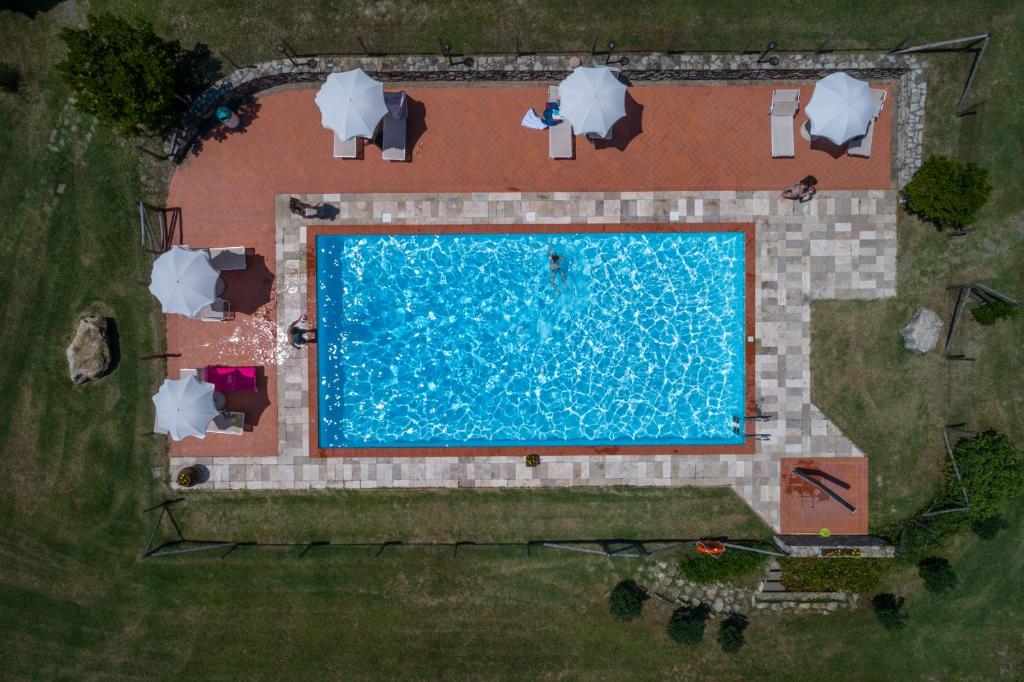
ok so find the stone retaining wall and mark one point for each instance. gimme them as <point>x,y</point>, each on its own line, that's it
<point>662,580</point>
<point>867,546</point>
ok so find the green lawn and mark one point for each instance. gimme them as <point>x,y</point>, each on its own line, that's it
<point>76,600</point>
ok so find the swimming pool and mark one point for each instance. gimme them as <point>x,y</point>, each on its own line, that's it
<point>425,340</point>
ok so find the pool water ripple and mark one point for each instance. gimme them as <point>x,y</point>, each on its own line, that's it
<point>433,340</point>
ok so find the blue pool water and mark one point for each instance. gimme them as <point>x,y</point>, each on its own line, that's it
<point>460,340</point>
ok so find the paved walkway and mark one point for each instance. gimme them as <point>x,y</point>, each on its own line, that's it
<point>842,245</point>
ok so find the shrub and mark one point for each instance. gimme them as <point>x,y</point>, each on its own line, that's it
<point>627,600</point>
<point>948,193</point>
<point>127,76</point>
<point>991,469</point>
<point>988,527</point>
<point>993,311</point>
<point>730,633</point>
<point>832,575</point>
<point>733,563</point>
<point>937,574</point>
<point>687,624</point>
<point>10,79</point>
<point>888,610</point>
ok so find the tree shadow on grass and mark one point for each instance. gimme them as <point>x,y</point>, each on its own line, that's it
<point>30,8</point>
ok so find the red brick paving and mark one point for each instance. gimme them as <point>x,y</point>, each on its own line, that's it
<point>675,137</point>
<point>805,509</point>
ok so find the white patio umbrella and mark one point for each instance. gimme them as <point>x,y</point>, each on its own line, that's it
<point>351,104</point>
<point>592,99</point>
<point>840,108</point>
<point>184,407</point>
<point>184,280</point>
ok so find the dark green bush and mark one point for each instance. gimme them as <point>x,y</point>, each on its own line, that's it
<point>948,193</point>
<point>988,527</point>
<point>888,610</point>
<point>937,574</point>
<point>730,633</point>
<point>832,575</point>
<point>991,469</point>
<point>127,76</point>
<point>733,563</point>
<point>993,311</point>
<point>687,624</point>
<point>626,601</point>
<point>10,79</point>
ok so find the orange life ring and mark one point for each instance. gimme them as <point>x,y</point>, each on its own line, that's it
<point>710,547</point>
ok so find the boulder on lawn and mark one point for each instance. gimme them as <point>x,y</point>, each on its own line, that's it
<point>89,352</point>
<point>922,332</point>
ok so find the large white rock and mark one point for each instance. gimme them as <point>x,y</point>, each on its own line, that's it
<point>89,352</point>
<point>921,334</point>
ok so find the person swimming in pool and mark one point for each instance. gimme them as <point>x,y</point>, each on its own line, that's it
<point>555,265</point>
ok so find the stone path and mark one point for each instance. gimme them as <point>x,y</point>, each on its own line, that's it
<point>840,245</point>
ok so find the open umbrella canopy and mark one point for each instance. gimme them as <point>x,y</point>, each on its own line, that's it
<point>351,104</point>
<point>184,407</point>
<point>840,108</point>
<point>592,99</point>
<point>184,280</point>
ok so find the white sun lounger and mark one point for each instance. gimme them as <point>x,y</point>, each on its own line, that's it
<point>218,311</point>
<point>879,98</point>
<point>559,136</point>
<point>230,423</point>
<point>785,104</point>
<point>861,146</point>
<point>346,149</point>
<point>228,257</point>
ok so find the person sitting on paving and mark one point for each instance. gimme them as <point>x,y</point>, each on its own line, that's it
<point>299,336</point>
<point>802,191</point>
<point>301,208</point>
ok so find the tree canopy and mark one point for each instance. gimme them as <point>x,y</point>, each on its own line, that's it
<point>127,76</point>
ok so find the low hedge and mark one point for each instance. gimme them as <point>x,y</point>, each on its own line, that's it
<point>948,193</point>
<point>833,575</point>
<point>626,602</point>
<point>992,470</point>
<point>733,563</point>
<point>993,311</point>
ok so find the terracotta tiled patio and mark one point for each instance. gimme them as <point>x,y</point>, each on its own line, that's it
<point>806,509</point>
<point>463,139</point>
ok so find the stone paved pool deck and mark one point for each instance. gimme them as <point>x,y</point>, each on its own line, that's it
<point>471,163</point>
<point>841,245</point>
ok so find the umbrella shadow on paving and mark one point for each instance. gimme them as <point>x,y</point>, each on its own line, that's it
<point>820,144</point>
<point>249,289</point>
<point>416,125</point>
<point>253,404</point>
<point>626,128</point>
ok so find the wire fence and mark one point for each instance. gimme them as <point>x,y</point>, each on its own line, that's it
<point>400,41</point>
<point>168,539</point>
